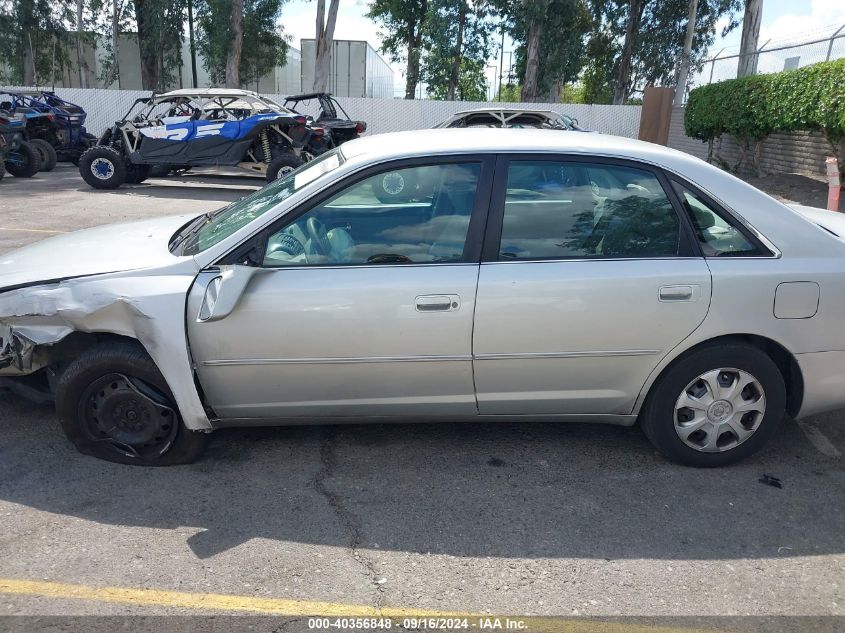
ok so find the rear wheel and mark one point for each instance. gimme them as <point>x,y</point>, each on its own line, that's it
<point>716,406</point>
<point>46,152</point>
<point>281,166</point>
<point>113,403</point>
<point>136,174</point>
<point>24,162</point>
<point>2,169</point>
<point>102,167</point>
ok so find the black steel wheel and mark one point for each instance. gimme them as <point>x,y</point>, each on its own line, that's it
<point>113,403</point>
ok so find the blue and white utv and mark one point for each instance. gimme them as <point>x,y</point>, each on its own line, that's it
<point>193,128</point>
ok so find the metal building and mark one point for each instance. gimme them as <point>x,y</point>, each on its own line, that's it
<point>357,70</point>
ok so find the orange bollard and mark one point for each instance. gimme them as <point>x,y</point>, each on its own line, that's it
<point>833,185</point>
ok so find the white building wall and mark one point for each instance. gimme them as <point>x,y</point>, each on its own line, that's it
<point>357,70</point>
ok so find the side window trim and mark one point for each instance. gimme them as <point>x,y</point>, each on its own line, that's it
<point>687,242</point>
<point>766,251</point>
<point>475,233</point>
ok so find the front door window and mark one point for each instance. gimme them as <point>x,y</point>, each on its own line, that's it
<point>404,216</point>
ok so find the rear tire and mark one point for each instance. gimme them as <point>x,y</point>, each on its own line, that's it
<point>735,435</point>
<point>136,174</point>
<point>29,165</point>
<point>46,152</point>
<point>114,404</point>
<point>2,169</point>
<point>102,167</point>
<point>281,166</point>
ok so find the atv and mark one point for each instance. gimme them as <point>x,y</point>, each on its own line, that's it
<point>54,127</point>
<point>19,158</point>
<point>192,128</point>
<point>340,129</point>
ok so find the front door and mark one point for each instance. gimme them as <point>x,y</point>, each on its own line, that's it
<point>364,305</point>
<point>588,280</point>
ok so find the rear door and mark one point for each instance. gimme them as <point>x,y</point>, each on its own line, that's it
<point>589,277</point>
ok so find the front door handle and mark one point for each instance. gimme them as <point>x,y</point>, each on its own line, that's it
<point>678,293</point>
<point>437,303</point>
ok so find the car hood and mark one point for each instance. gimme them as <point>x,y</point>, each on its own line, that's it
<point>104,249</point>
<point>832,221</point>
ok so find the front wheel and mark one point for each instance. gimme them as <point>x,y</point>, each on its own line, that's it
<point>46,152</point>
<point>113,403</point>
<point>281,166</point>
<point>102,167</point>
<point>716,406</point>
<point>24,162</point>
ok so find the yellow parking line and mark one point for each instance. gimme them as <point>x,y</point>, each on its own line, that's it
<point>207,601</point>
<point>4,228</point>
<point>287,607</point>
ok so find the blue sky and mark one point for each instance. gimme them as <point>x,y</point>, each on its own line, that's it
<point>784,21</point>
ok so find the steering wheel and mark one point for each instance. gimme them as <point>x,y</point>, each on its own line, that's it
<point>319,236</point>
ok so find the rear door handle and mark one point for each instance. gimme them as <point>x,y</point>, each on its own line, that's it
<point>437,303</point>
<point>678,293</point>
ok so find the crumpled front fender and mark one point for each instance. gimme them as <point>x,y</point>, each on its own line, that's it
<point>146,307</point>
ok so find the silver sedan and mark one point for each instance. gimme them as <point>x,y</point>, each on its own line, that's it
<point>442,275</point>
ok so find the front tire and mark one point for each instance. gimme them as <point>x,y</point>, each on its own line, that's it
<point>281,166</point>
<point>102,167</point>
<point>114,404</point>
<point>46,152</point>
<point>26,162</point>
<point>716,406</point>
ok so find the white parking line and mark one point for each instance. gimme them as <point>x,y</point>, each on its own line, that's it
<point>819,440</point>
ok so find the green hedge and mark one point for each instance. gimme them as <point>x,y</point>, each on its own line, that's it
<point>751,108</point>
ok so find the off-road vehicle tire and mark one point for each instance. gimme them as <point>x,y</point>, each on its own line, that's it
<point>102,167</point>
<point>31,163</point>
<point>281,166</point>
<point>114,404</point>
<point>46,152</point>
<point>136,174</point>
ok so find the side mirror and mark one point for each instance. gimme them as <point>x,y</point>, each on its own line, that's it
<point>224,291</point>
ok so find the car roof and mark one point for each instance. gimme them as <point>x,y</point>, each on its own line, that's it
<point>443,141</point>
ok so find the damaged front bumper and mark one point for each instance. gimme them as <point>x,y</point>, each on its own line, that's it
<point>43,327</point>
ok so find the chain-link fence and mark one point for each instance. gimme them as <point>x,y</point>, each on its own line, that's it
<point>774,57</point>
<point>104,107</point>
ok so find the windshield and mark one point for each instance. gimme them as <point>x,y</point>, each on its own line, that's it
<point>207,230</point>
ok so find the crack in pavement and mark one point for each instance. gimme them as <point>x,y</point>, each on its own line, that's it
<point>349,519</point>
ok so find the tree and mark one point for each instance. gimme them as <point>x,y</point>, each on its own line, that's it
<point>549,37</point>
<point>632,31</point>
<point>324,40</point>
<point>654,37</point>
<point>750,35</point>
<point>456,39</point>
<point>684,62</point>
<point>159,24</point>
<point>536,18</point>
<point>233,59</point>
<point>34,39</point>
<point>471,86</point>
<point>263,44</point>
<point>403,22</point>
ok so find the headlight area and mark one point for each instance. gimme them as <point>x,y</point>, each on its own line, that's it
<point>33,354</point>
